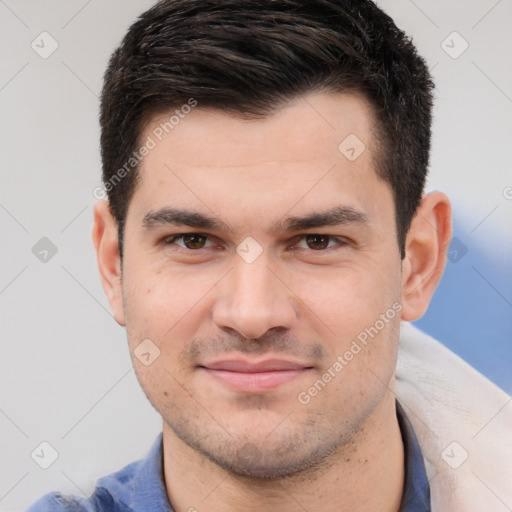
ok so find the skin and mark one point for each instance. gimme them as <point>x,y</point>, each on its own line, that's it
<point>302,299</point>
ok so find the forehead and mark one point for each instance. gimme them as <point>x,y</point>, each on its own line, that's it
<point>305,129</point>
<point>315,150</point>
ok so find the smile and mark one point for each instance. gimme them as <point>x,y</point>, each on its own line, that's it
<point>249,377</point>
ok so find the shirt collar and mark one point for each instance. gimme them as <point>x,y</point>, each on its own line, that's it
<point>138,486</point>
<point>149,488</point>
<point>416,494</point>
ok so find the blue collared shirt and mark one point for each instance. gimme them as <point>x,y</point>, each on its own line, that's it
<point>416,495</point>
<point>140,486</point>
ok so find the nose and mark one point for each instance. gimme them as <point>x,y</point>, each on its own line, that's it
<point>253,300</point>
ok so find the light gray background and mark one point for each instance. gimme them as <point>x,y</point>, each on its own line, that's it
<point>66,375</point>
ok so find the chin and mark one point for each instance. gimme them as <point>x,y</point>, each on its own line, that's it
<point>260,460</point>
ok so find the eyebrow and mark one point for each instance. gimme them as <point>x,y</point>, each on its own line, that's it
<point>178,216</point>
<point>342,215</point>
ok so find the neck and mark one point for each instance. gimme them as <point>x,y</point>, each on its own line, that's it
<point>365,475</point>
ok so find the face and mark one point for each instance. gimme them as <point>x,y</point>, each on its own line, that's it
<point>261,261</point>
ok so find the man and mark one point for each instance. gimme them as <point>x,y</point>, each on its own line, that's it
<point>265,234</point>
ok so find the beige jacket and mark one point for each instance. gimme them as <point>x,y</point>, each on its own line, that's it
<point>463,423</point>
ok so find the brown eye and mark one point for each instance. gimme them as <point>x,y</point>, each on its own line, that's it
<point>317,242</point>
<point>194,241</point>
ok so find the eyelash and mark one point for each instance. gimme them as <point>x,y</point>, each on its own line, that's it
<point>341,241</point>
<point>172,239</point>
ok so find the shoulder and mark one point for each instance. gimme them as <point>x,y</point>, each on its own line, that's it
<point>446,384</point>
<point>101,501</point>
<point>57,502</point>
<point>138,486</point>
<point>462,422</point>
<point>109,496</point>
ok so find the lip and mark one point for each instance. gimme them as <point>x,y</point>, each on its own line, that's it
<point>254,377</point>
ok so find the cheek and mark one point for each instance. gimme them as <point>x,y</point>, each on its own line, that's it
<point>349,299</point>
<point>164,305</point>
<point>163,309</point>
<point>359,311</point>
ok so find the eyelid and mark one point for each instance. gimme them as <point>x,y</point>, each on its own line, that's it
<point>172,239</point>
<point>341,241</point>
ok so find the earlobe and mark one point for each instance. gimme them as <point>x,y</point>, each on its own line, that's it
<point>105,239</point>
<point>425,254</point>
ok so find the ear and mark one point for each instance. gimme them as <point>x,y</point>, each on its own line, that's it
<point>105,239</point>
<point>426,247</point>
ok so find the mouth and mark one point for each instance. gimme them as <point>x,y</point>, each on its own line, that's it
<point>254,376</point>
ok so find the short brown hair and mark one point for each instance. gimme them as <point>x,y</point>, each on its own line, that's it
<point>248,57</point>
